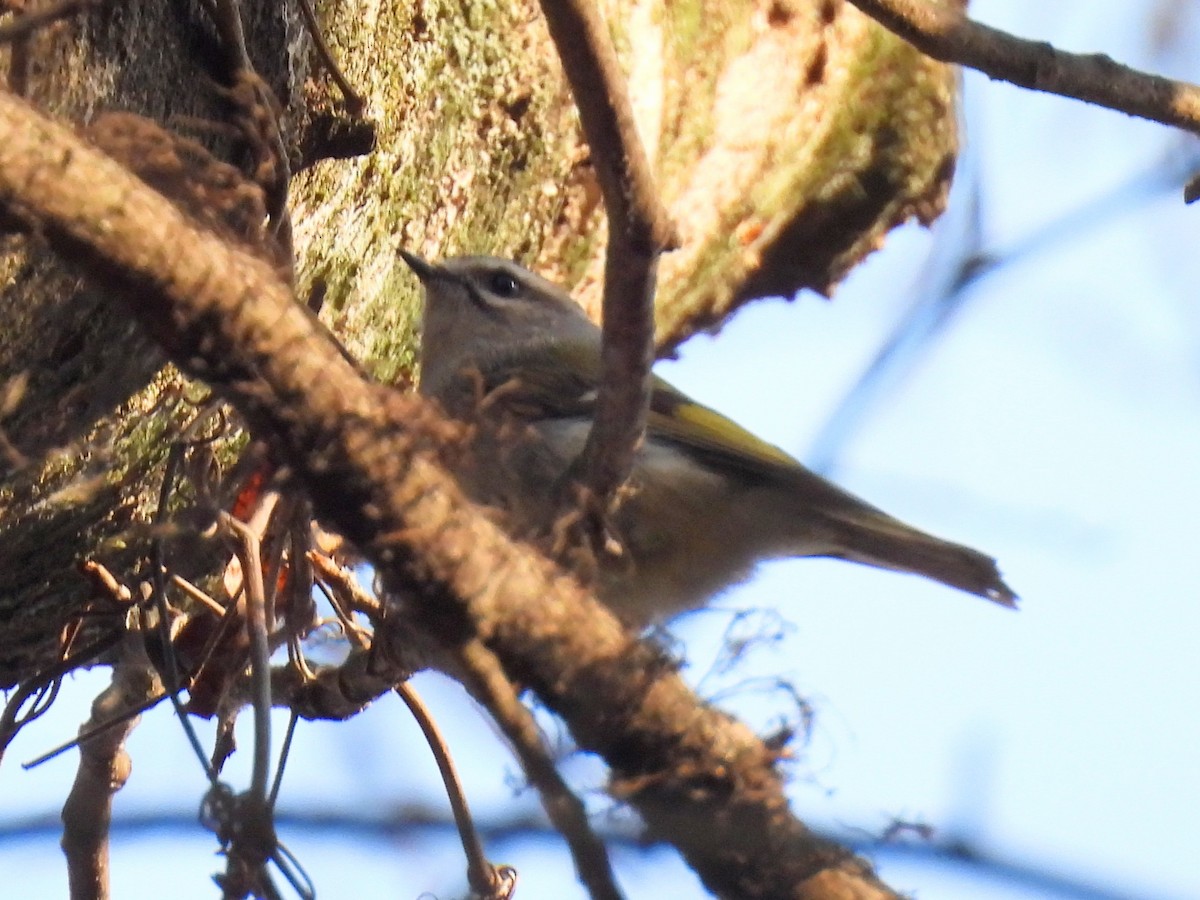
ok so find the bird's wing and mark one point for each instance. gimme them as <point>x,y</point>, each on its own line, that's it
<point>722,444</point>
<point>559,381</point>
<point>544,380</point>
<point>707,435</point>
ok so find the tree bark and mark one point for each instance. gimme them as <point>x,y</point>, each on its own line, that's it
<point>371,459</point>
<point>787,139</point>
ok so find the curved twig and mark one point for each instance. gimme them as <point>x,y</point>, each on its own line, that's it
<point>639,230</point>
<point>247,550</point>
<point>485,879</point>
<point>353,100</point>
<point>43,687</point>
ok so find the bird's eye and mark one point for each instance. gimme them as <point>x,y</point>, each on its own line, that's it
<point>503,285</point>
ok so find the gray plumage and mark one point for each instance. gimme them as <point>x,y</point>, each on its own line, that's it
<point>708,499</point>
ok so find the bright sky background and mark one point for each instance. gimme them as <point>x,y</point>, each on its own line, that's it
<point>1052,423</point>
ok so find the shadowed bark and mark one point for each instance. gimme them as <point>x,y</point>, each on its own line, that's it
<point>477,150</point>
<point>370,458</point>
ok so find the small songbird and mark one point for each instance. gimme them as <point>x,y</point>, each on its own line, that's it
<point>706,500</point>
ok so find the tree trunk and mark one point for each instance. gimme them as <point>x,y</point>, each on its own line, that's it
<point>788,138</point>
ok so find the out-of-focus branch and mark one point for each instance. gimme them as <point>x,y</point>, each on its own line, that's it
<point>30,21</point>
<point>944,32</point>
<point>639,230</point>
<point>367,456</point>
<point>104,767</point>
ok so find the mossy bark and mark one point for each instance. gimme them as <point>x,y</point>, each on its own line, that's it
<point>788,138</point>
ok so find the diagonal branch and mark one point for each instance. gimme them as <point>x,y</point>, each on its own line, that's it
<point>944,32</point>
<point>368,457</point>
<point>639,230</point>
<point>491,687</point>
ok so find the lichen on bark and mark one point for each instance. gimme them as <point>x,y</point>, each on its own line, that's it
<point>788,138</point>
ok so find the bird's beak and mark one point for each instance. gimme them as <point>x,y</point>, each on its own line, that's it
<point>426,271</point>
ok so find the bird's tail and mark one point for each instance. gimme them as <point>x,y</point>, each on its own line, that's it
<point>831,521</point>
<point>894,545</point>
<point>876,539</point>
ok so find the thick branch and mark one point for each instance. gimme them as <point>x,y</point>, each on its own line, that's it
<point>368,458</point>
<point>944,32</point>
<point>639,230</point>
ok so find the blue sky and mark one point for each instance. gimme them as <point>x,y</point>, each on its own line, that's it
<point>1052,423</point>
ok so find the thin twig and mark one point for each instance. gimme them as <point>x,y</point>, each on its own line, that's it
<point>251,827</point>
<point>44,688</point>
<point>493,689</point>
<point>169,671</point>
<point>300,609</point>
<point>198,595</point>
<point>284,751</point>
<point>342,582</point>
<point>954,269</point>
<point>260,652</point>
<point>259,118</point>
<point>943,31</point>
<point>119,593</point>
<point>345,596</point>
<point>639,230</point>
<point>354,101</point>
<point>485,879</point>
<point>86,734</point>
<point>227,19</point>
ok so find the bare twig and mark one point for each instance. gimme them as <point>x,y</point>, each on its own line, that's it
<point>198,595</point>
<point>492,688</point>
<point>87,733</point>
<point>367,456</point>
<point>299,607</point>
<point>103,769</point>
<point>43,688</point>
<point>485,879</point>
<point>119,593</point>
<point>170,669</point>
<point>246,821</point>
<point>341,581</point>
<point>260,652</point>
<point>639,230</point>
<point>354,101</point>
<point>943,31</point>
<point>958,261</point>
<point>285,751</point>
<point>948,848</point>
<point>45,685</point>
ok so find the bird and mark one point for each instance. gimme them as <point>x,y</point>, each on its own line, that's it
<point>706,500</point>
